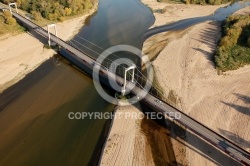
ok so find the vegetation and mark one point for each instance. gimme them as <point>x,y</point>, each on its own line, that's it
<point>234,47</point>
<point>43,12</point>
<point>8,24</point>
<point>8,18</point>
<point>210,2</point>
<point>172,98</point>
<point>202,2</point>
<point>53,10</point>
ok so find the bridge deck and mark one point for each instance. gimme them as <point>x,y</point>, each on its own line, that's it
<point>207,134</point>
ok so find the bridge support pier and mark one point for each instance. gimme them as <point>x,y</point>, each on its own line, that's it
<point>48,28</point>
<point>12,4</point>
<point>123,90</point>
<point>3,10</point>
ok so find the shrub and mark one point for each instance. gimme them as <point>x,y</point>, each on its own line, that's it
<point>61,19</point>
<point>7,14</point>
<point>10,21</point>
<point>36,15</point>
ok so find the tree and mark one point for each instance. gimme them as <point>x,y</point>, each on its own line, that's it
<point>36,15</point>
<point>8,18</point>
<point>10,21</point>
<point>61,19</point>
<point>53,9</point>
<point>68,11</point>
<point>232,52</point>
<point>7,14</point>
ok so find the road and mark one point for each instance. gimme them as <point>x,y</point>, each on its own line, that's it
<point>207,134</point>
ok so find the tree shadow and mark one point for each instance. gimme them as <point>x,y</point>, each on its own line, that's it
<point>243,109</point>
<point>207,54</point>
<point>207,37</point>
<point>238,140</point>
<point>244,98</point>
<point>242,40</point>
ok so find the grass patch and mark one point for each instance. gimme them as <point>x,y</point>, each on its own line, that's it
<point>157,90</point>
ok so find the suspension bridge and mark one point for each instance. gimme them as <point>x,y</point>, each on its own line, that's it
<point>153,97</point>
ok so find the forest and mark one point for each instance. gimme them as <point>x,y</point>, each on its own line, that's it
<point>233,51</point>
<point>53,10</point>
<point>201,2</point>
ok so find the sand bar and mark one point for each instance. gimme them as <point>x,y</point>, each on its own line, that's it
<point>185,66</point>
<point>21,54</point>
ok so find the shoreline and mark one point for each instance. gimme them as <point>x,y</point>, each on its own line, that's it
<point>81,23</point>
<point>110,126</point>
<point>132,138</point>
<point>190,56</point>
<point>27,56</point>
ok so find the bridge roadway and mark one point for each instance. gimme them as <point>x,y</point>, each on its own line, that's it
<point>215,139</point>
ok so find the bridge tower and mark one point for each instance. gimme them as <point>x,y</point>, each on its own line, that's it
<point>12,4</point>
<point>123,90</point>
<point>48,28</point>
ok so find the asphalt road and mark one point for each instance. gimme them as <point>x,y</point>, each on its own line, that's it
<point>207,134</point>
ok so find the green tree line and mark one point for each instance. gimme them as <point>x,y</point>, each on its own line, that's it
<point>201,2</point>
<point>233,51</point>
<point>210,2</point>
<point>53,9</point>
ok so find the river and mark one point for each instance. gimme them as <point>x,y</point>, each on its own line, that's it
<point>34,124</point>
<point>116,22</point>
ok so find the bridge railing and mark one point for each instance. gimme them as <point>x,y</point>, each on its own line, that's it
<point>140,80</point>
<point>117,69</point>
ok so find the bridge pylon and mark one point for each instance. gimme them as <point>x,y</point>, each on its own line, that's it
<point>48,28</point>
<point>123,90</point>
<point>12,4</point>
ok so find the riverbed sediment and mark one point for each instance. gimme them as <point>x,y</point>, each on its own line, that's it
<point>136,140</point>
<point>184,66</point>
<point>23,53</point>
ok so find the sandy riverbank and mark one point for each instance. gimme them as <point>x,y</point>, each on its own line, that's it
<point>185,66</point>
<point>21,54</point>
<point>134,140</point>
